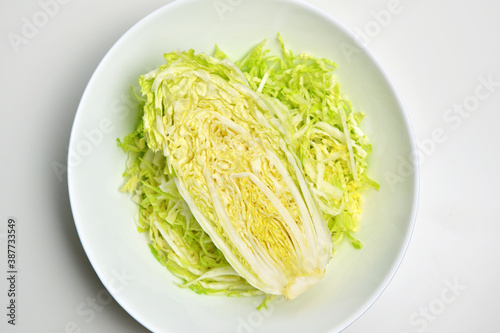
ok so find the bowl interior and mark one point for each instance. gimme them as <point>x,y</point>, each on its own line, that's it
<point>105,217</point>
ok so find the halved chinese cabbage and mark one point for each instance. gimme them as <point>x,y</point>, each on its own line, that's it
<point>234,169</point>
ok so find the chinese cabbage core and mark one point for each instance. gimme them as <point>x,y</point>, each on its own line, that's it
<point>235,171</point>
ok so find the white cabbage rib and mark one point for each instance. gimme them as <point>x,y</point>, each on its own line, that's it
<point>234,170</point>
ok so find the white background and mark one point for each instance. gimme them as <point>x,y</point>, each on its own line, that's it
<point>438,54</point>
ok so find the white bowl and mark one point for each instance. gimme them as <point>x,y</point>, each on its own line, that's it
<point>105,217</point>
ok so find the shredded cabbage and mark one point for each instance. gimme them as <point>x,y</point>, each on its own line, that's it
<point>246,173</point>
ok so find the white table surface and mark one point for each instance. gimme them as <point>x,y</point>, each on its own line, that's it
<point>438,53</point>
